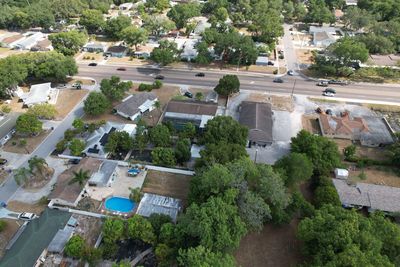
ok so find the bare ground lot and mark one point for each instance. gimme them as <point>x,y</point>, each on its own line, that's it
<point>273,246</point>
<point>67,100</point>
<point>277,102</point>
<point>375,175</point>
<point>362,151</point>
<point>304,56</point>
<point>32,143</point>
<point>5,236</point>
<point>167,184</point>
<point>18,206</point>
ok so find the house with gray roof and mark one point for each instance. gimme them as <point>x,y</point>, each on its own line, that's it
<point>106,174</point>
<point>94,47</point>
<point>134,106</point>
<point>324,36</point>
<point>258,118</point>
<point>374,197</point>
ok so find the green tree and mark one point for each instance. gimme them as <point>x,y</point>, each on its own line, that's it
<point>349,152</point>
<point>326,194</point>
<point>221,152</point>
<point>160,136</point>
<point>92,20</point>
<point>96,103</point>
<point>158,25</point>
<point>323,152</point>
<point>76,146</point>
<point>224,128</point>
<point>3,225</point>
<point>114,89</point>
<point>80,177</point>
<point>348,50</point>
<point>37,164</point>
<point>119,142</point>
<point>203,54</point>
<point>158,5</point>
<point>21,175</point>
<point>68,43</point>
<point>141,139</point>
<point>113,230</point>
<point>318,12</point>
<point>164,255</point>
<point>182,150</point>
<point>133,35</point>
<point>188,131</point>
<point>43,111</point>
<point>39,14</point>
<point>297,168</point>
<point>166,53</point>
<point>163,156</point>
<point>253,210</point>
<point>135,194</point>
<point>79,124</point>
<point>75,247</point>
<point>377,44</point>
<point>228,85</point>
<point>28,124</point>
<point>115,26</point>
<point>140,228</point>
<point>180,14</point>
<point>355,18</point>
<point>215,223</point>
<point>157,220</point>
<point>203,257</point>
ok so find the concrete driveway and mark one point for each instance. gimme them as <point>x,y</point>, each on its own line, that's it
<point>8,214</point>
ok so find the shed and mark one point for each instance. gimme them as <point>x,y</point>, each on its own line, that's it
<point>341,173</point>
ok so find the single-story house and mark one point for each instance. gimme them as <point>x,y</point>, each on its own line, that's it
<point>34,237</point>
<point>67,194</point>
<point>351,2</point>
<point>126,6</point>
<point>262,61</point>
<point>30,40</point>
<point>117,51</point>
<point>106,174</point>
<point>201,25</point>
<point>144,51</point>
<point>187,47</point>
<point>7,128</point>
<point>323,39</point>
<point>38,94</point>
<point>93,47</point>
<point>152,203</point>
<point>96,142</point>
<point>43,45</point>
<point>374,197</point>
<point>258,118</point>
<point>135,105</point>
<point>180,112</point>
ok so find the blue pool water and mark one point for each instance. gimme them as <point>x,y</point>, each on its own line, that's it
<point>119,204</point>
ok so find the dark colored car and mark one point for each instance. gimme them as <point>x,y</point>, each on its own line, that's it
<point>200,74</point>
<point>329,112</point>
<point>330,90</point>
<point>122,69</point>
<point>188,94</point>
<point>290,73</point>
<point>270,63</point>
<point>93,64</point>
<point>159,77</point>
<point>3,161</point>
<point>339,82</point>
<point>74,161</point>
<point>278,80</point>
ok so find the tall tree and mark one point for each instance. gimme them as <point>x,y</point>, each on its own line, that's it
<point>68,43</point>
<point>133,35</point>
<point>92,20</point>
<point>119,142</point>
<point>228,85</point>
<point>182,150</point>
<point>140,228</point>
<point>181,13</point>
<point>318,12</point>
<point>160,136</point>
<point>224,128</point>
<point>80,177</point>
<point>114,89</point>
<point>28,124</point>
<point>166,53</point>
<point>96,103</point>
<point>202,257</point>
<point>115,26</point>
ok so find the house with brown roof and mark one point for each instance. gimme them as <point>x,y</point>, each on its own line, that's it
<point>67,194</point>
<point>344,127</point>
<point>198,113</point>
<point>258,118</point>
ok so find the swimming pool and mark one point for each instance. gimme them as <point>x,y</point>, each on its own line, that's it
<point>119,204</point>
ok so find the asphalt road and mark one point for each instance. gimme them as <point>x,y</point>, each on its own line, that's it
<point>248,81</point>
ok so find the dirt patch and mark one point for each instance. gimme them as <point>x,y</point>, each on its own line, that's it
<point>18,206</point>
<point>3,175</point>
<point>304,56</point>
<point>283,103</point>
<point>89,204</point>
<point>89,228</point>
<point>81,81</point>
<point>375,175</point>
<point>375,153</point>
<point>67,100</point>
<point>167,184</point>
<point>5,236</point>
<point>310,124</point>
<point>273,246</point>
<point>14,146</point>
<point>107,116</point>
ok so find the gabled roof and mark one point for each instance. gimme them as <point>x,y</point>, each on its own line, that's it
<point>117,49</point>
<point>34,239</point>
<point>344,125</point>
<point>38,93</point>
<point>131,105</point>
<point>322,36</point>
<point>258,118</point>
<point>191,107</point>
<point>103,175</point>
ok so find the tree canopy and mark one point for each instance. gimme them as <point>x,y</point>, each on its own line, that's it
<point>96,103</point>
<point>28,124</point>
<point>68,43</point>
<point>224,128</point>
<point>228,85</point>
<point>166,53</point>
<point>114,89</point>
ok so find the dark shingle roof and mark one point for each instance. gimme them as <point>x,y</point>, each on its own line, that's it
<point>258,118</point>
<point>131,105</point>
<point>191,107</point>
<point>35,238</point>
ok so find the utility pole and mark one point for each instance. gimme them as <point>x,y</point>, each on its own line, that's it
<point>294,85</point>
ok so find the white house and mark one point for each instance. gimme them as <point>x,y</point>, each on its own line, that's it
<point>135,105</point>
<point>38,94</point>
<point>30,40</point>
<point>105,176</point>
<point>187,47</point>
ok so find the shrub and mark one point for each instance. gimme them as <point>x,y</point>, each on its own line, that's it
<point>61,146</point>
<point>145,87</point>
<point>3,225</point>
<point>275,72</point>
<point>5,109</point>
<point>157,84</point>
<point>69,134</point>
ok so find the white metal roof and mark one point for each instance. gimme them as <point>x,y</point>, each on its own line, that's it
<point>38,93</point>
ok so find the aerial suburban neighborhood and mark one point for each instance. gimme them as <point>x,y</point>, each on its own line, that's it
<point>202,133</point>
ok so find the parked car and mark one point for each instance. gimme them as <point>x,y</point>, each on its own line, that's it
<point>188,94</point>
<point>290,73</point>
<point>93,64</point>
<point>278,80</point>
<point>77,86</point>
<point>121,69</point>
<point>339,82</point>
<point>159,77</point>
<point>270,63</point>
<point>329,112</point>
<point>200,74</point>
<point>26,216</point>
<point>3,161</point>
<point>318,110</point>
<point>323,83</point>
<point>74,161</point>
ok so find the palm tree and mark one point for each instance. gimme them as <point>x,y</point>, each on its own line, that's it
<point>38,163</point>
<point>22,175</point>
<point>80,177</point>
<point>157,106</point>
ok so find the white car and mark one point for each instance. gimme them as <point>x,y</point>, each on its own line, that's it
<point>328,94</point>
<point>26,216</point>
